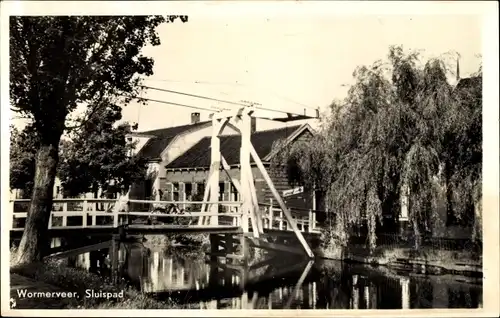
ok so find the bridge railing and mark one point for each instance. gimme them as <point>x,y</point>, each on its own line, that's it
<point>274,218</point>
<point>84,213</point>
<point>69,213</point>
<point>229,216</point>
<point>78,213</point>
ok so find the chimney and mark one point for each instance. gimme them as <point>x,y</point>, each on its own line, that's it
<point>253,124</point>
<point>195,118</point>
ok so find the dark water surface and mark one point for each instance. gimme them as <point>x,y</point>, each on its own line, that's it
<point>288,283</point>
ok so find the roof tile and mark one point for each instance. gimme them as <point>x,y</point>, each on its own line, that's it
<point>198,156</point>
<point>162,137</point>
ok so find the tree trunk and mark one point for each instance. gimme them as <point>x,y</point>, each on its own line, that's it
<point>35,242</point>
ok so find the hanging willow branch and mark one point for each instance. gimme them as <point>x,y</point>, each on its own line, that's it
<point>402,125</point>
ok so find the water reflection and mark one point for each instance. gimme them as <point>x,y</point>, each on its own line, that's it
<point>286,283</point>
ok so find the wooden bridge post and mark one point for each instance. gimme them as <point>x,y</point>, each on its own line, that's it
<point>281,220</point>
<point>114,257</point>
<point>84,213</point>
<point>214,247</point>
<point>313,227</point>
<point>214,181</point>
<point>246,196</point>
<point>50,220</point>
<point>212,189</point>
<point>271,217</point>
<point>65,216</point>
<point>11,217</point>
<point>94,216</point>
<point>245,251</point>
<point>281,203</point>
<point>310,220</point>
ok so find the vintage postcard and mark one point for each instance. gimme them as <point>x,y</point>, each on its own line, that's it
<point>266,158</point>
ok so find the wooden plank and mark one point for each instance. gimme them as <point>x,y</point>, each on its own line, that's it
<point>271,217</point>
<point>65,218</point>
<point>281,219</point>
<point>184,202</point>
<point>245,170</point>
<point>94,217</point>
<point>78,213</point>
<point>215,163</point>
<point>257,223</point>
<point>227,169</point>
<point>235,182</point>
<point>206,193</point>
<point>280,201</point>
<point>186,215</point>
<point>253,217</point>
<point>84,216</point>
<point>275,233</point>
<point>80,250</point>
<point>226,114</point>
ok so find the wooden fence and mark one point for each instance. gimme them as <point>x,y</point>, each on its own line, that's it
<point>84,213</point>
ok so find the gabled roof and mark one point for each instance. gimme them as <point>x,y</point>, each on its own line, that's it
<point>198,156</point>
<point>161,138</point>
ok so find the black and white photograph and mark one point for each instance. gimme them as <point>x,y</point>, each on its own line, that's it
<point>261,157</point>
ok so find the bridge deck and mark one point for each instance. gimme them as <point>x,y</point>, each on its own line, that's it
<point>133,229</point>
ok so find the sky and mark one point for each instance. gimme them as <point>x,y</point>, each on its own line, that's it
<point>284,63</point>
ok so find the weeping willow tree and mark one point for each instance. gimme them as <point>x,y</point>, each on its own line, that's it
<point>402,126</point>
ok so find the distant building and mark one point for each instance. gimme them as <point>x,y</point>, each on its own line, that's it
<point>179,161</point>
<point>160,147</point>
<point>187,174</point>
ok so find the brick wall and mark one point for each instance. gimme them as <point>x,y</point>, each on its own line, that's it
<point>280,180</point>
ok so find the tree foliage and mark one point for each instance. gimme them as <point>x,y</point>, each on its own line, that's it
<point>58,63</point>
<point>401,125</point>
<point>98,157</point>
<point>23,147</point>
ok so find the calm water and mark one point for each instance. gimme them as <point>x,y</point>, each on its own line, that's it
<point>288,283</point>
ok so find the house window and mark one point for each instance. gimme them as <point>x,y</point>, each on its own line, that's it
<point>175,191</point>
<point>221,191</point>
<point>200,189</point>
<point>234,193</point>
<point>188,188</point>
<point>148,185</point>
<point>168,192</point>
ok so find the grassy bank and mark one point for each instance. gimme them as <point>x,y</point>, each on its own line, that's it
<point>56,273</point>
<point>425,260</point>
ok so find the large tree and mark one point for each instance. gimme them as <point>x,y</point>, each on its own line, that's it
<point>400,124</point>
<point>98,157</point>
<point>58,63</point>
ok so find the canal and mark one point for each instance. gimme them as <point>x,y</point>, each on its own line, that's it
<point>284,282</point>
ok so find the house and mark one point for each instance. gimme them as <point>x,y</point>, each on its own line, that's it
<point>162,146</point>
<point>186,176</point>
<point>179,159</point>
